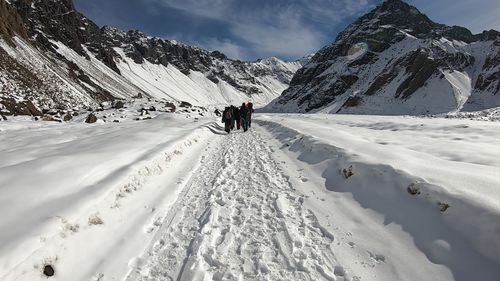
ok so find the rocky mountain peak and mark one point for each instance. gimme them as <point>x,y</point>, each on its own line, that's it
<point>388,56</point>
<point>400,15</point>
<point>112,31</point>
<point>490,35</point>
<point>397,6</point>
<point>403,16</point>
<point>137,34</point>
<point>381,27</point>
<point>391,22</point>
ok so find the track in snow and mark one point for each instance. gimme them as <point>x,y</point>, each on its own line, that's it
<point>239,218</point>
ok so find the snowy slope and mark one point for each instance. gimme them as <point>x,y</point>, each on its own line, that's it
<point>27,74</point>
<point>83,188</point>
<point>394,60</point>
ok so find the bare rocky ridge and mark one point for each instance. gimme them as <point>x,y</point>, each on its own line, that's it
<point>412,65</point>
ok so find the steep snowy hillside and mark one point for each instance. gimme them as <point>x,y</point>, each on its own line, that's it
<point>395,60</point>
<point>54,57</point>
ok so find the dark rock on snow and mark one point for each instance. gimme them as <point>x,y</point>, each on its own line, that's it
<point>20,108</point>
<point>118,104</point>
<point>67,117</point>
<point>185,104</point>
<point>91,118</point>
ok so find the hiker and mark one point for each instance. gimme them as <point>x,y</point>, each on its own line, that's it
<point>233,119</point>
<point>227,118</point>
<point>250,111</point>
<point>244,117</point>
<point>237,116</point>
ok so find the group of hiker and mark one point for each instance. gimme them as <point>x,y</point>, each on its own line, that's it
<point>235,117</point>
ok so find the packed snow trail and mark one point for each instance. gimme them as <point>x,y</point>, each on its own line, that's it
<point>239,219</point>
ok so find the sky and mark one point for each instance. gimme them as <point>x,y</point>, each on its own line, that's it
<point>253,29</point>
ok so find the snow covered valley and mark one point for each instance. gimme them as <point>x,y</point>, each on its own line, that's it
<point>298,197</point>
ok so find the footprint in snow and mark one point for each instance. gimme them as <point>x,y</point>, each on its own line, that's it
<point>339,271</point>
<point>377,257</point>
<point>99,277</point>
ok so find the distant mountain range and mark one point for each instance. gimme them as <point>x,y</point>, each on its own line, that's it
<point>54,57</point>
<point>395,60</point>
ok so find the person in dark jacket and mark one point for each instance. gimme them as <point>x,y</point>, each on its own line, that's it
<point>233,121</point>
<point>227,118</point>
<point>244,117</point>
<point>237,116</point>
<point>250,111</point>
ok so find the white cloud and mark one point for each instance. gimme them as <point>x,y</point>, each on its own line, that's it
<point>227,47</point>
<point>213,9</point>
<point>288,28</point>
<point>291,41</point>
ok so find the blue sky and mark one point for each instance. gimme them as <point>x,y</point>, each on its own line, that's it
<point>251,29</point>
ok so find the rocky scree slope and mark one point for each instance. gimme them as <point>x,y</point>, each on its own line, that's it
<point>395,60</point>
<point>54,57</point>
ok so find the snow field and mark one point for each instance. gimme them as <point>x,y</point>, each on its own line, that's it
<point>86,208</point>
<point>366,193</point>
<point>298,197</point>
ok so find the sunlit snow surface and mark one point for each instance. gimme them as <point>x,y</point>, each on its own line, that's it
<point>326,195</point>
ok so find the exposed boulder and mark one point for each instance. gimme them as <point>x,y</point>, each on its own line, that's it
<point>48,270</point>
<point>118,104</point>
<point>185,104</point>
<point>67,117</point>
<point>170,106</point>
<point>91,118</point>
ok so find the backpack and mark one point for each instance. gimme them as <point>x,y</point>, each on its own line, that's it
<point>228,115</point>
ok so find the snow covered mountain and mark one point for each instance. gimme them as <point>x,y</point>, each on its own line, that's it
<point>54,57</point>
<point>395,60</point>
